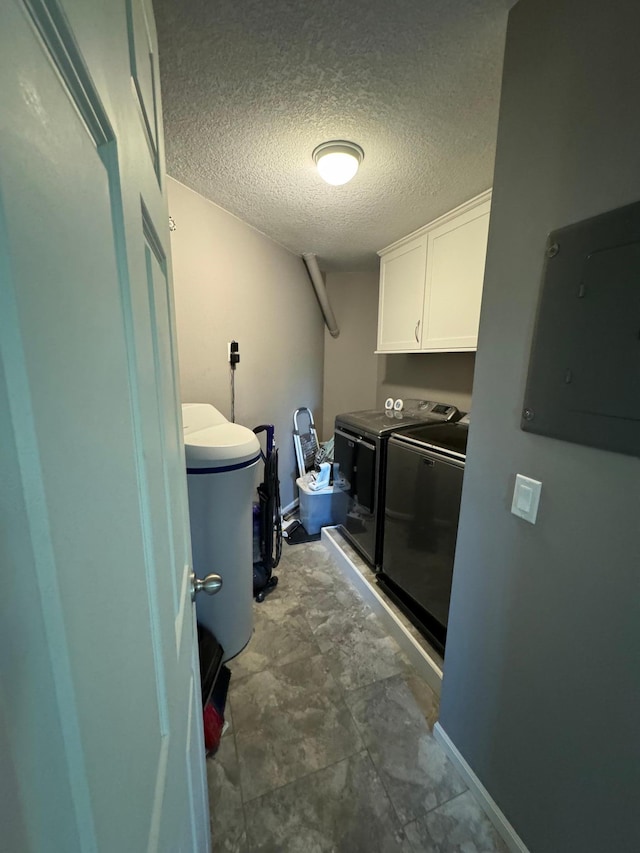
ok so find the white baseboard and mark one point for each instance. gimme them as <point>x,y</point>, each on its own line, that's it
<point>432,674</point>
<point>482,796</point>
<point>420,660</point>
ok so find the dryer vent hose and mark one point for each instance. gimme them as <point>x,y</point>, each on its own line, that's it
<point>317,281</point>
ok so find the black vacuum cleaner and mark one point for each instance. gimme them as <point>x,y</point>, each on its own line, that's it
<point>270,519</point>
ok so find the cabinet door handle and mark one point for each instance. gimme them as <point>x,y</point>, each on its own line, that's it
<point>416,332</point>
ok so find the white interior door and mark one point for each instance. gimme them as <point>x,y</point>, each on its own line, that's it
<point>100,693</point>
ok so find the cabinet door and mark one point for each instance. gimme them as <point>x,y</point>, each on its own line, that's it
<point>402,275</point>
<point>455,272</point>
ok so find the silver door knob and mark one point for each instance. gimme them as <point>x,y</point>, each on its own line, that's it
<point>211,585</point>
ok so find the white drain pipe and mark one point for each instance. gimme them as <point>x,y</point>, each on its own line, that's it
<point>317,281</point>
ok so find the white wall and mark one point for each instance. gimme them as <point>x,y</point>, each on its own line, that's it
<point>232,282</point>
<point>541,690</point>
<point>350,366</point>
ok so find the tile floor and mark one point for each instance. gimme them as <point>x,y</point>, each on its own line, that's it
<point>329,746</point>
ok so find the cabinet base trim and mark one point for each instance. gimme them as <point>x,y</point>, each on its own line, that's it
<point>422,351</point>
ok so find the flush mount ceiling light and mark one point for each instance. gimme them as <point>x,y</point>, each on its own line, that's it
<point>338,161</point>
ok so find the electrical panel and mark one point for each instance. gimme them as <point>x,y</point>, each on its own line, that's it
<point>583,383</point>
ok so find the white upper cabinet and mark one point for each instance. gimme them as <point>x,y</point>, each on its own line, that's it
<point>437,272</point>
<point>456,253</point>
<point>401,305</point>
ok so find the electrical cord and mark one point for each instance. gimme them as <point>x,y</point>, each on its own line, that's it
<point>232,370</point>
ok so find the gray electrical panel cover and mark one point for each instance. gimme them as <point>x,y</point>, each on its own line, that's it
<point>584,373</point>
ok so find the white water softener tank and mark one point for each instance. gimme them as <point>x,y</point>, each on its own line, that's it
<point>221,472</point>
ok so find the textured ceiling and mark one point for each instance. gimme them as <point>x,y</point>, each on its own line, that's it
<point>250,87</point>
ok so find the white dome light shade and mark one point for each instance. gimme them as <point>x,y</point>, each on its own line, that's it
<point>338,161</point>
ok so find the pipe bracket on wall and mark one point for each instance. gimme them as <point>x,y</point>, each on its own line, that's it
<point>317,281</point>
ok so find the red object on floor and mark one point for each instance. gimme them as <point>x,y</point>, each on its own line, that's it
<point>213,723</point>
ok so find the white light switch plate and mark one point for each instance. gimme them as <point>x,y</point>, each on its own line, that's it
<point>526,497</point>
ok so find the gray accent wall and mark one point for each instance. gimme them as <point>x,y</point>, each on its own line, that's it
<point>232,282</point>
<point>541,691</point>
<point>355,378</point>
<point>350,366</point>
<point>446,377</point>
